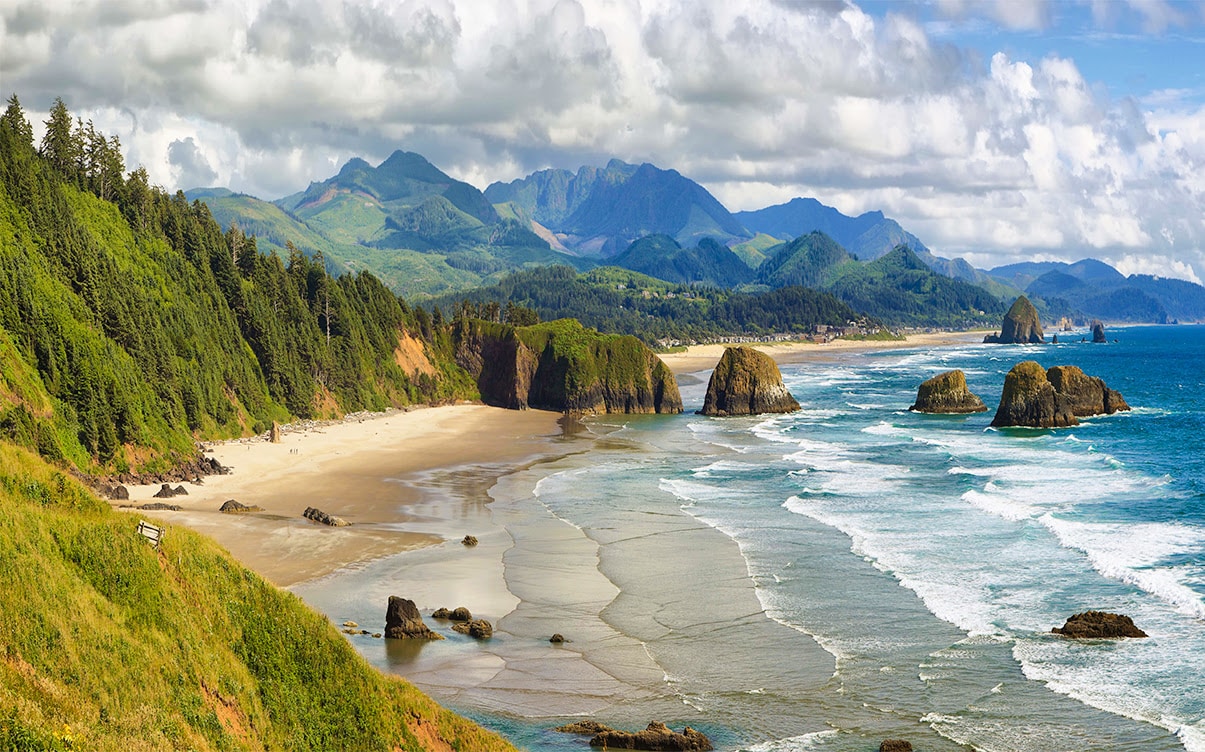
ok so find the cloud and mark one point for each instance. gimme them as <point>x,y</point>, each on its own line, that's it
<point>190,168</point>
<point>761,100</point>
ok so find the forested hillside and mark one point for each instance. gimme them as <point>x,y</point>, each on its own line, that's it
<point>132,325</point>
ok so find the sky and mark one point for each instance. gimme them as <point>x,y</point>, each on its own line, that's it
<point>995,130</point>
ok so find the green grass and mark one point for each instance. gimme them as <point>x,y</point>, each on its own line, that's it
<point>110,645</point>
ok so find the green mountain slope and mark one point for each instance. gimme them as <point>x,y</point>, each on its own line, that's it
<point>809,260</point>
<point>707,263</point>
<point>114,646</point>
<point>147,328</point>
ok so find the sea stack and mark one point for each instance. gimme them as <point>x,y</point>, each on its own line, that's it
<point>1086,395</point>
<point>1099,625</point>
<point>1030,400</point>
<point>1022,325</point>
<point>1098,332</point>
<point>747,382</point>
<point>1053,398</point>
<point>947,393</point>
<point>403,621</point>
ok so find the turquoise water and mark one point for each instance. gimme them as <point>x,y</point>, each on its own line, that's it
<point>853,572</point>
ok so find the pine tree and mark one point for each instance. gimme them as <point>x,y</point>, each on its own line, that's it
<point>60,144</point>
<point>14,120</point>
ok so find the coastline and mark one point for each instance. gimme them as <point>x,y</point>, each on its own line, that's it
<point>703,357</point>
<point>350,469</point>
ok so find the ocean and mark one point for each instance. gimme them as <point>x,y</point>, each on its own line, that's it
<point>851,572</point>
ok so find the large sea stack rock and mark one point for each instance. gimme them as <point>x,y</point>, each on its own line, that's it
<point>404,622</point>
<point>1098,332</point>
<point>1099,625</point>
<point>1022,325</point>
<point>747,382</point>
<point>560,365</point>
<point>656,737</point>
<point>1030,400</point>
<point>1086,395</point>
<point>947,393</point>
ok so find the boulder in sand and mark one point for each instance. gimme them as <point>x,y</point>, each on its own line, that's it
<point>230,506</point>
<point>469,540</point>
<point>317,515</point>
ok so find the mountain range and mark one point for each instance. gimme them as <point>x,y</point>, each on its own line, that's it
<point>426,233</point>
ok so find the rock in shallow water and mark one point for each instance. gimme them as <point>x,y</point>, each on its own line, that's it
<point>656,737</point>
<point>947,393</point>
<point>403,621</point>
<point>747,382</point>
<point>1099,625</point>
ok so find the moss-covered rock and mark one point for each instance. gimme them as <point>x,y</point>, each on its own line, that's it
<point>560,365</point>
<point>1021,326</point>
<point>1086,395</point>
<point>747,382</point>
<point>947,393</point>
<point>1029,399</point>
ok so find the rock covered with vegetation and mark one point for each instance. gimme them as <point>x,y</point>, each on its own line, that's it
<point>1087,395</point>
<point>747,382</point>
<point>1053,398</point>
<point>1022,325</point>
<point>181,648</point>
<point>1030,400</point>
<point>947,393</point>
<point>560,365</point>
<point>1099,625</point>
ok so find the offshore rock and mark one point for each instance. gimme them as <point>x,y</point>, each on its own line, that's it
<point>469,540</point>
<point>747,382</point>
<point>582,727</point>
<point>895,745</point>
<point>1021,326</point>
<point>1099,625</point>
<point>1098,332</point>
<point>560,365</point>
<point>947,393</point>
<point>1086,395</point>
<point>656,737</point>
<point>1030,400</point>
<point>404,622</point>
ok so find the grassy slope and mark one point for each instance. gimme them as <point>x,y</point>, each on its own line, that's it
<point>110,645</point>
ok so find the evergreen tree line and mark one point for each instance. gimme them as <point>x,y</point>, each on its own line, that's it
<point>679,312</point>
<point>147,326</point>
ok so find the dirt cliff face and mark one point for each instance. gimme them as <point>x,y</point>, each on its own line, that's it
<point>560,365</point>
<point>747,382</point>
<point>947,393</point>
<point>1021,326</point>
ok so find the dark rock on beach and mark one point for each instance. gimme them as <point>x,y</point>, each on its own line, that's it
<point>317,515</point>
<point>947,393</point>
<point>747,382</point>
<point>469,540</point>
<point>230,506</point>
<point>158,506</point>
<point>167,492</point>
<point>557,638</point>
<point>1099,625</point>
<point>1021,325</point>
<point>404,622</point>
<point>656,737</point>
<point>460,613</point>
<point>478,628</point>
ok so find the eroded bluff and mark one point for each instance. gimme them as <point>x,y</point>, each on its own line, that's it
<point>560,365</point>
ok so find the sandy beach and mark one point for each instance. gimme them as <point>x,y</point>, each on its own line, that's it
<point>352,469</point>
